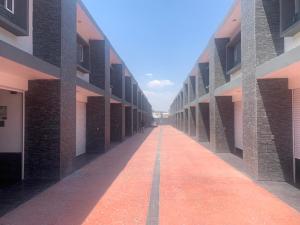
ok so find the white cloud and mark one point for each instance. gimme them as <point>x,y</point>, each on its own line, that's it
<point>160,100</point>
<point>149,75</point>
<point>159,83</point>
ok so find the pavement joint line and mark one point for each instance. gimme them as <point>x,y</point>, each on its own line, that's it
<point>153,210</point>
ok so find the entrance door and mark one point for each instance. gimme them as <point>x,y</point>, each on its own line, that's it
<point>296,124</point>
<point>11,135</point>
<point>80,128</point>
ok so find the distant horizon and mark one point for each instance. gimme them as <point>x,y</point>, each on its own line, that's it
<point>158,40</point>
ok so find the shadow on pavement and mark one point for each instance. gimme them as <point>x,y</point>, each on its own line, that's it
<point>86,186</point>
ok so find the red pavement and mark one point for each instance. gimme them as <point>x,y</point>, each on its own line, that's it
<point>196,188</point>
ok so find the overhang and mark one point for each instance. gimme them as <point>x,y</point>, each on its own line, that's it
<point>231,88</point>
<point>87,89</point>
<point>19,63</point>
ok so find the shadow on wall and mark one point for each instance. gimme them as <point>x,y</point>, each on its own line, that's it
<point>275,121</point>
<point>88,187</point>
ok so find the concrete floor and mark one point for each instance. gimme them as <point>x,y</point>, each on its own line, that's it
<point>159,177</point>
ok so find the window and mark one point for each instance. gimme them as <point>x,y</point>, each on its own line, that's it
<point>80,53</point>
<point>237,54</point>
<point>297,10</point>
<point>9,5</point>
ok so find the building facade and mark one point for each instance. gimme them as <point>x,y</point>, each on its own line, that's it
<point>243,94</point>
<point>64,90</point>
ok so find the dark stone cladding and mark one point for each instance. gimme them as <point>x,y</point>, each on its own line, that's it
<point>192,88</point>
<point>134,94</point>
<point>274,130</point>
<point>222,137</point>
<point>116,79</point>
<point>98,60</point>
<point>261,41</point>
<point>117,122</point>
<point>42,130</point>
<point>221,108</point>
<point>192,121</point>
<point>128,89</point>
<point>95,124</point>
<point>54,41</point>
<point>47,31</point>
<point>100,77</point>
<point>128,121</point>
<point>203,129</point>
<point>135,121</point>
<point>186,121</point>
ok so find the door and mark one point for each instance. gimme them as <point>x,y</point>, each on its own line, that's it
<point>80,128</point>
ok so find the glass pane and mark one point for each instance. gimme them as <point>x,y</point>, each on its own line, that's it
<point>9,5</point>
<point>297,6</point>
<point>2,2</point>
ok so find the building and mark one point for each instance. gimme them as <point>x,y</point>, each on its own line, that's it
<point>64,90</point>
<point>243,94</point>
<point>161,117</point>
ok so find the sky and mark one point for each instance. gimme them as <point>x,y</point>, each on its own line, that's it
<point>159,40</point>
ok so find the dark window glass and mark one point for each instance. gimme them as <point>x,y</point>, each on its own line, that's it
<point>80,53</point>
<point>2,2</point>
<point>237,54</point>
<point>297,10</point>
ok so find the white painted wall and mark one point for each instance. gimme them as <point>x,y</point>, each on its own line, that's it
<point>238,124</point>
<point>291,42</point>
<point>23,43</point>
<point>11,136</point>
<point>80,128</point>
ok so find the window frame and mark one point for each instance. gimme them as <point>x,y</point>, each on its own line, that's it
<point>12,5</point>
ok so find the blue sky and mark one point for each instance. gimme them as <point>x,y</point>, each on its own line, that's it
<point>159,40</point>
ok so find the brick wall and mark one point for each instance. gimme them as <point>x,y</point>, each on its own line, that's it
<point>95,123</point>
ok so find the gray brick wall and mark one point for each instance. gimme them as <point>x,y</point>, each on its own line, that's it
<point>192,121</point>
<point>261,42</point>
<point>98,57</point>
<point>203,129</point>
<point>95,123</point>
<point>42,130</point>
<point>128,121</point>
<point>54,40</point>
<point>274,130</point>
<point>116,79</point>
<point>117,121</point>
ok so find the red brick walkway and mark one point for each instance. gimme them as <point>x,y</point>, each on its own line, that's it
<point>196,188</point>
